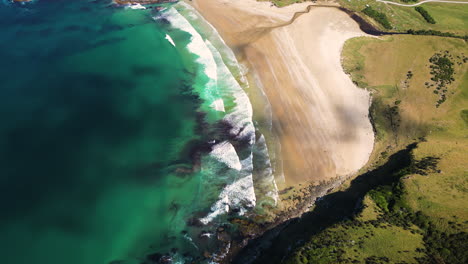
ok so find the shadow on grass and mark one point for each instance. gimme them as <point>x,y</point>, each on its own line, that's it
<point>276,244</point>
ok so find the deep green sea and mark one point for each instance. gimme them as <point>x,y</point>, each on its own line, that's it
<point>125,136</point>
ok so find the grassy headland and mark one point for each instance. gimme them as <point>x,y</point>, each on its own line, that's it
<point>411,196</point>
<point>451,18</point>
<point>421,217</point>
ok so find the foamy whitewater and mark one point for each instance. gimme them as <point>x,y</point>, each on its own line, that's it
<point>170,40</point>
<point>136,6</point>
<point>224,165</point>
<point>155,156</point>
<point>188,156</point>
<point>197,46</point>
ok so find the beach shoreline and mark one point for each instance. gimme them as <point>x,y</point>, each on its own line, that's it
<point>293,54</point>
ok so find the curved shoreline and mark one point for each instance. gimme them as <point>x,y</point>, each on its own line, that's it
<point>295,52</point>
<point>320,116</point>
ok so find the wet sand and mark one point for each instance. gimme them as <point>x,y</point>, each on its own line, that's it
<point>319,115</point>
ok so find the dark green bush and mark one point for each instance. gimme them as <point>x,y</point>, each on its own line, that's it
<point>435,33</point>
<point>378,16</point>
<point>425,14</point>
<point>381,197</point>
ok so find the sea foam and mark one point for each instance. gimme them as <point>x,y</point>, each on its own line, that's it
<point>227,179</point>
<point>198,47</point>
<point>168,38</point>
<point>224,152</point>
<point>136,6</point>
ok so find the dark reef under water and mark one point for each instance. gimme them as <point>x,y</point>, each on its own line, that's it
<point>94,109</point>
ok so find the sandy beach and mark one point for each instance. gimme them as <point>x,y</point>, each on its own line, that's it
<point>320,116</point>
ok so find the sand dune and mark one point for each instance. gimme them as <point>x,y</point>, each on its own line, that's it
<point>320,116</point>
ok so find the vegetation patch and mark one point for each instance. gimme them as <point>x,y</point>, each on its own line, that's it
<point>395,235</point>
<point>281,3</point>
<point>409,75</point>
<point>442,72</point>
<point>398,235</point>
<point>425,14</point>
<point>378,16</point>
<point>430,197</point>
<point>464,115</point>
<point>381,196</point>
<point>450,18</point>
<point>421,216</point>
<point>359,242</point>
<point>436,33</point>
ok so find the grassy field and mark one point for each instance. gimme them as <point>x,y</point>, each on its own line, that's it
<point>412,220</point>
<point>423,218</point>
<point>360,240</point>
<point>449,17</point>
<point>382,65</point>
<point>281,3</point>
<point>368,61</point>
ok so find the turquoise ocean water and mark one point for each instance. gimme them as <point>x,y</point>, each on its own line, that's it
<point>125,136</point>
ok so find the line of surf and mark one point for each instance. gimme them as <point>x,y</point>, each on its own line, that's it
<point>239,192</point>
<point>207,91</point>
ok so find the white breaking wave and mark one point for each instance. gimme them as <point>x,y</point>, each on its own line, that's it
<point>218,105</point>
<point>170,40</point>
<point>205,58</point>
<point>239,194</point>
<point>212,34</point>
<point>227,179</point>
<point>224,152</point>
<point>233,195</point>
<point>240,115</point>
<point>136,6</point>
<point>264,180</point>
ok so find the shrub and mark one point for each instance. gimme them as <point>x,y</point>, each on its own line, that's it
<point>378,16</point>
<point>431,32</point>
<point>381,197</point>
<point>425,14</point>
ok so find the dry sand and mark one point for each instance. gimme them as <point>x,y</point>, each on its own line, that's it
<point>320,116</point>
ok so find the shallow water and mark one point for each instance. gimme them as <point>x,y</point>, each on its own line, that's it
<point>125,132</point>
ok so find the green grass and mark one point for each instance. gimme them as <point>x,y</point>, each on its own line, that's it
<point>392,242</point>
<point>382,66</point>
<point>449,17</point>
<point>464,115</point>
<point>404,111</point>
<point>425,14</point>
<point>380,17</point>
<point>281,3</point>
<point>454,17</point>
<point>424,214</point>
<point>359,240</point>
<point>381,196</point>
<point>371,211</point>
